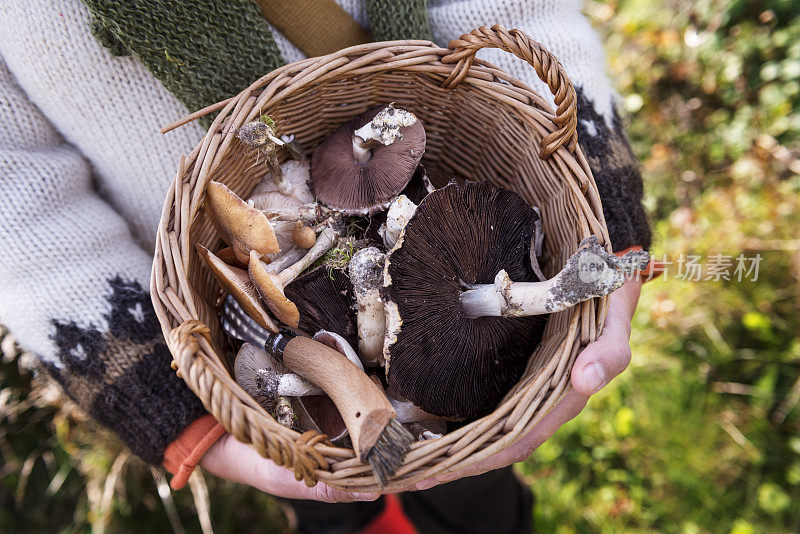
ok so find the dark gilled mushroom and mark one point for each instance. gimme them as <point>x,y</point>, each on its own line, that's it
<point>448,280</point>
<point>323,298</point>
<point>360,167</point>
<point>270,282</point>
<point>443,361</point>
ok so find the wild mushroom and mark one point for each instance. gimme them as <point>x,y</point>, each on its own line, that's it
<point>366,275</point>
<point>303,235</point>
<point>239,286</point>
<point>270,284</point>
<point>400,212</point>
<point>261,135</point>
<point>452,347</point>
<point>241,226</point>
<point>267,194</point>
<point>446,363</point>
<point>323,297</point>
<point>360,167</point>
<point>591,272</point>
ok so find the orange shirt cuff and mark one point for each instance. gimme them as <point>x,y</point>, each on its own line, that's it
<point>653,270</point>
<point>183,454</point>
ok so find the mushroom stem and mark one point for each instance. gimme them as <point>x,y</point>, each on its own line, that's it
<point>276,173</point>
<point>284,412</point>
<point>383,129</point>
<point>591,272</point>
<point>261,135</point>
<point>400,212</point>
<point>308,211</point>
<point>366,275</point>
<point>324,242</point>
<point>285,260</point>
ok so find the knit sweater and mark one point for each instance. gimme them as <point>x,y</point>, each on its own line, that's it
<point>84,171</point>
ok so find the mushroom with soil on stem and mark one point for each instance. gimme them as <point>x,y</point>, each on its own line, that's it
<point>241,226</point>
<point>400,212</point>
<point>366,275</point>
<point>591,272</point>
<point>360,167</point>
<point>417,189</point>
<point>448,360</point>
<point>270,283</point>
<point>261,135</point>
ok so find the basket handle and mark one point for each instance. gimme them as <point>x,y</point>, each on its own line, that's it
<point>547,67</point>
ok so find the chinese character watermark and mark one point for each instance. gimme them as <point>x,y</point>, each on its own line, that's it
<point>712,268</point>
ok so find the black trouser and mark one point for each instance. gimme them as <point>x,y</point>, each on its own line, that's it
<point>495,502</point>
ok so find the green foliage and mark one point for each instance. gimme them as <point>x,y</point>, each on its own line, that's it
<point>61,473</point>
<point>700,434</point>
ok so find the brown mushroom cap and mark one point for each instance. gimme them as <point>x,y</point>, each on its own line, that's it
<point>356,188</point>
<point>237,283</point>
<point>243,227</point>
<point>270,288</point>
<point>446,363</point>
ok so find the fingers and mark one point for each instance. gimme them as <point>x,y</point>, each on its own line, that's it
<point>235,461</point>
<point>599,362</point>
<point>610,354</point>
<point>567,408</point>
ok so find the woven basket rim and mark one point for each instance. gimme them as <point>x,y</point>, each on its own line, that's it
<point>190,340</point>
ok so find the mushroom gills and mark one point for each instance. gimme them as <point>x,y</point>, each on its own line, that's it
<point>360,175</point>
<point>446,363</point>
<point>270,285</point>
<point>323,297</point>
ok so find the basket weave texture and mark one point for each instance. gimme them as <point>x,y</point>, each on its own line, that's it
<point>480,124</point>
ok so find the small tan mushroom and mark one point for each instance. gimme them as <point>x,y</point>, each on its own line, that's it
<point>238,284</point>
<point>270,282</point>
<point>243,227</point>
<point>303,235</point>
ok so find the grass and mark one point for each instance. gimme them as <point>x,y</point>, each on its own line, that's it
<point>701,434</point>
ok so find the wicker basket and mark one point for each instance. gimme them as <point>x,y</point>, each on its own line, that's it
<point>480,124</point>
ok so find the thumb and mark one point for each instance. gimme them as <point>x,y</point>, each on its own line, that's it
<point>610,354</point>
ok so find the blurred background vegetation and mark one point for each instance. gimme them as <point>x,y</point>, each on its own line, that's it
<point>699,435</point>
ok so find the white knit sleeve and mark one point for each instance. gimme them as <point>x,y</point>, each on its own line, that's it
<point>73,283</point>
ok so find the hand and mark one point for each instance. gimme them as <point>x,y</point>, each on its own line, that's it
<point>233,460</point>
<point>599,362</point>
